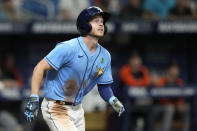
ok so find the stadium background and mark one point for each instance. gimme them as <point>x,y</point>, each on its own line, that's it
<point>32,35</point>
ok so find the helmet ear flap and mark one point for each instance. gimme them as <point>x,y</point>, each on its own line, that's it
<point>85,29</point>
<point>89,28</point>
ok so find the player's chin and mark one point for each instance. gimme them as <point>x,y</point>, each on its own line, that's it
<point>97,35</point>
<point>100,34</point>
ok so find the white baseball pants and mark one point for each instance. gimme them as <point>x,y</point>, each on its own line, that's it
<point>63,117</point>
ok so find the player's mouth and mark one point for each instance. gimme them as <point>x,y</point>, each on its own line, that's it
<point>101,30</point>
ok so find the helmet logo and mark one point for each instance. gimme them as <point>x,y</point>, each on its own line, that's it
<point>96,8</point>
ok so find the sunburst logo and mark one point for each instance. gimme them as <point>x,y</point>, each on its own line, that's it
<point>99,72</point>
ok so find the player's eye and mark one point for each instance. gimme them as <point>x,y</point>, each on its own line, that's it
<point>97,20</point>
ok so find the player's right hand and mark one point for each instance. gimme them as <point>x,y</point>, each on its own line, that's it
<point>32,107</point>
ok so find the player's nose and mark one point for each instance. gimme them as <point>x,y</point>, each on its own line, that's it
<point>101,23</point>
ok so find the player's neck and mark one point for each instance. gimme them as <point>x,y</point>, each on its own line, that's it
<point>91,43</point>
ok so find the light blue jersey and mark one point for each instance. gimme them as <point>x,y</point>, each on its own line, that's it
<point>76,70</point>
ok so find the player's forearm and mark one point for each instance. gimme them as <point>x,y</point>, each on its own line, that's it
<point>38,75</point>
<point>105,92</point>
<point>36,80</point>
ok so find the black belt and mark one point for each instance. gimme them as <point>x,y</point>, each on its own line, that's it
<point>64,103</point>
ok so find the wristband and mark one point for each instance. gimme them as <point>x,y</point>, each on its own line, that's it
<point>111,99</point>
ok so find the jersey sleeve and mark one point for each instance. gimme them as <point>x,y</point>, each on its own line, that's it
<point>60,55</point>
<point>106,78</point>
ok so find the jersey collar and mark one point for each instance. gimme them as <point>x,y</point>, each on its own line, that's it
<point>85,48</point>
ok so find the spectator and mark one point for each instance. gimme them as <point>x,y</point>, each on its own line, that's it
<point>8,11</point>
<point>134,74</point>
<point>114,7</point>
<point>10,78</point>
<point>132,10</point>
<point>154,78</point>
<point>167,107</point>
<point>123,2</point>
<point>10,75</point>
<point>157,9</point>
<point>103,4</point>
<point>39,9</point>
<point>69,9</point>
<point>182,10</point>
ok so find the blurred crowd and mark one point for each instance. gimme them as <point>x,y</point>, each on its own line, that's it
<point>156,114</point>
<point>125,9</point>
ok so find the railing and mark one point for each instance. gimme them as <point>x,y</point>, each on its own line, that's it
<point>162,92</point>
<point>12,94</point>
<point>140,27</point>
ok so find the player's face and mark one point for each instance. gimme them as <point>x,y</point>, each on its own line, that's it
<point>97,26</point>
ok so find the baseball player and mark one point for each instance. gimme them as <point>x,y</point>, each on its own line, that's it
<point>72,69</point>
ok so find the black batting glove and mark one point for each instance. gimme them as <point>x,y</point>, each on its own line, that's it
<point>32,108</point>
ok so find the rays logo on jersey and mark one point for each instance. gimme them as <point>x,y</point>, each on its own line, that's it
<point>99,72</point>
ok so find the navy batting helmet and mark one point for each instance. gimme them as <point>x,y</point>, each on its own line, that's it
<point>86,15</point>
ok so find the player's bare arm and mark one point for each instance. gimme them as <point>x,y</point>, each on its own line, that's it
<point>38,75</point>
<point>32,108</point>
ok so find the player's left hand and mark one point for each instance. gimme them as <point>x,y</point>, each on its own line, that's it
<point>32,107</point>
<point>117,105</point>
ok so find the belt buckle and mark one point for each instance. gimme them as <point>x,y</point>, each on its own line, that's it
<point>69,103</point>
<point>60,102</point>
<point>65,103</point>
